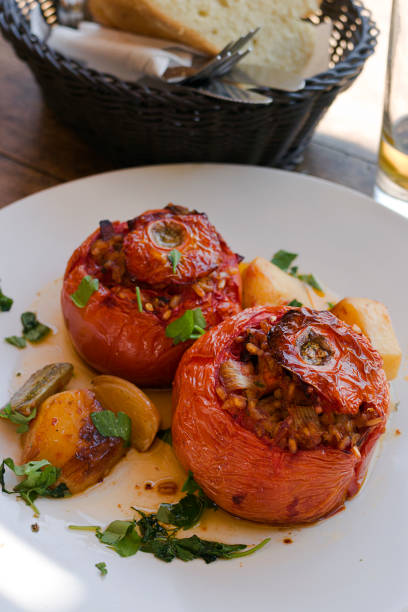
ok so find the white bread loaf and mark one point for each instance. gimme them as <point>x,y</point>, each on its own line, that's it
<point>284,42</point>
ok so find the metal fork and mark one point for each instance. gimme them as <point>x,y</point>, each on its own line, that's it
<point>214,67</point>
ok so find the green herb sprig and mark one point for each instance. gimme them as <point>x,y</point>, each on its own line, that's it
<point>296,303</point>
<point>16,417</point>
<point>174,258</point>
<point>5,302</point>
<point>190,326</point>
<point>33,331</point>
<point>101,566</point>
<point>39,478</point>
<point>149,536</point>
<point>284,259</point>
<point>187,512</point>
<point>86,289</point>
<point>109,424</point>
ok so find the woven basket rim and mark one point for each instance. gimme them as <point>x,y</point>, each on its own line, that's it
<point>334,77</point>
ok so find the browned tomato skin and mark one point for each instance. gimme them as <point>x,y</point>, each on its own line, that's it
<point>344,383</point>
<point>115,338</point>
<point>241,472</point>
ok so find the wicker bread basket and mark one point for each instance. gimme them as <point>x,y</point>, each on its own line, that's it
<point>135,124</point>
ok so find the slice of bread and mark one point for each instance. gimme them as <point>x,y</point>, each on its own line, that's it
<point>284,42</point>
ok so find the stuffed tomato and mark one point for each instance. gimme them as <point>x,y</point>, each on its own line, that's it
<point>277,412</point>
<point>149,271</point>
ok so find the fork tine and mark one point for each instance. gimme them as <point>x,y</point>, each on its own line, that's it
<point>226,66</point>
<point>241,42</point>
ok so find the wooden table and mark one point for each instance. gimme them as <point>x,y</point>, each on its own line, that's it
<point>37,151</point>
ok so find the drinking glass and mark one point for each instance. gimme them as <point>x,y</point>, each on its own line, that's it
<point>392,174</point>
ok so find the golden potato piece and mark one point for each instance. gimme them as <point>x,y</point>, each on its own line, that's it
<point>63,433</point>
<point>266,284</point>
<point>374,321</point>
<point>120,395</point>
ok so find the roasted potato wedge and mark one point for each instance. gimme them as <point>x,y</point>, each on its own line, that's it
<point>117,394</point>
<point>63,433</point>
<point>374,321</point>
<point>265,284</point>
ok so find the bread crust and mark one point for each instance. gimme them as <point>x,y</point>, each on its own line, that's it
<point>141,17</point>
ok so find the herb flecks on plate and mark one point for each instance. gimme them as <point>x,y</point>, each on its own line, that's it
<point>39,478</point>
<point>102,568</point>
<point>190,326</point>
<point>86,288</point>
<point>110,424</point>
<point>295,303</point>
<point>33,331</point>
<point>5,302</point>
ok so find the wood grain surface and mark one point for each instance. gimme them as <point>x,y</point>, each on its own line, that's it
<point>37,151</point>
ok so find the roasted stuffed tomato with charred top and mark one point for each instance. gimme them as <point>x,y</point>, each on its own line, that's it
<point>278,411</point>
<point>151,270</point>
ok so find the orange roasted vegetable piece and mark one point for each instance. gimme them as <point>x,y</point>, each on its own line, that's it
<point>64,434</point>
<point>277,412</point>
<point>120,335</point>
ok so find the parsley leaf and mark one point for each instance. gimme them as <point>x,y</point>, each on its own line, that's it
<point>165,435</point>
<point>33,330</point>
<point>295,303</point>
<point>14,416</point>
<point>86,289</point>
<point>5,302</point>
<point>39,477</point>
<point>283,259</point>
<point>188,511</point>
<point>310,280</point>
<point>174,258</point>
<point>330,305</point>
<point>110,424</point>
<point>190,326</point>
<point>102,568</point>
<point>16,341</point>
<point>148,536</point>
<point>122,537</point>
<point>185,513</point>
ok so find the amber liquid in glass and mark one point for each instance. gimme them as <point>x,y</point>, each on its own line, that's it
<point>393,157</point>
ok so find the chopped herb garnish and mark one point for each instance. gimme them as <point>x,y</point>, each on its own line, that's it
<point>165,435</point>
<point>33,330</point>
<point>174,258</point>
<point>330,305</point>
<point>86,289</point>
<point>257,383</point>
<point>116,425</point>
<point>187,512</point>
<point>5,302</point>
<point>16,417</point>
<point>149,536</point>
<point>102,568</point>
<point>16,341</point>
<point>190,326</point>
<point>122,537</point>
<point>139,299</point>
<point>39,478</point>
<point>295,303</point>
<point>310,280</point>
<point>283,259</point>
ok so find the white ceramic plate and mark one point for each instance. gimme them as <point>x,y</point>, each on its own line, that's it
<point>356,560</point>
